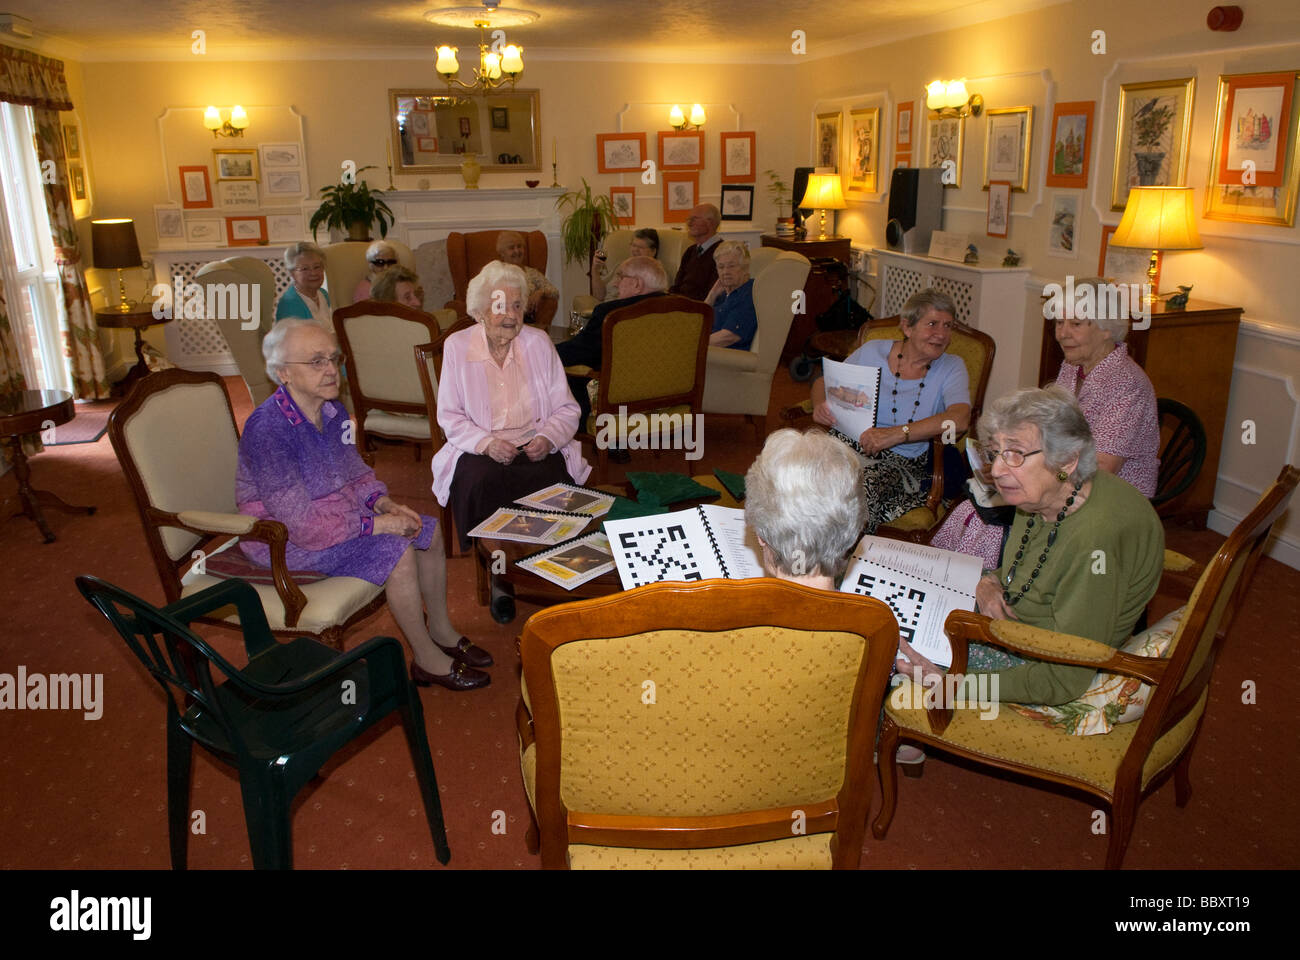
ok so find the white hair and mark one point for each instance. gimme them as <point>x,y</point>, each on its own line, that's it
<point>1062,428</point>
<point>495,276</point>
<point>273,345</point>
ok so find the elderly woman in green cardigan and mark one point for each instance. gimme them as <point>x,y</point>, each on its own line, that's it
<point>1085,552</point>
<point>305,297</point>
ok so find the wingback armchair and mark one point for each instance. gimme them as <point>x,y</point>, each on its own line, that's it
<point>245,342</point>
<point>618,247</point>
<point>468,253</point>
<point>345,267</point>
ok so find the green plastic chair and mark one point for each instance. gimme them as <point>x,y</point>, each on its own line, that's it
<point>277,721</point>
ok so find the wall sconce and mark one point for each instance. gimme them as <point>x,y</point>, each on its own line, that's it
<point>679,121</point>
<point>951,100</point>
<point>234,127</point>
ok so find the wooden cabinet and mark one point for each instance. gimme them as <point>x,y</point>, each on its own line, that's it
<point>817,287</point>
<point>1188,355</point>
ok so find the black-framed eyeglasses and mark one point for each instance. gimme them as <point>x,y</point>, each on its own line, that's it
<point>320,364</point>
<point>383,263</point>
<point>1012,458</point>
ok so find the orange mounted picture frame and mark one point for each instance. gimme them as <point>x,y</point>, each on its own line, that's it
<point>739,157</point>
<point>681,150</point>
<point>245,231</point>
<point>623,199</point>
<point>620,152</point>
<point>196,188</point>
<point>681,195</point>
<point>1070,146</point>
<point>904,115</point>
<point>1255,120</point>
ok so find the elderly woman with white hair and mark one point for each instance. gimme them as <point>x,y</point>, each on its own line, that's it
<point>1117,400</point>
<point>380,256</point>
<point>504,405</point>
<point>735,321</point>
<point>304,297</point>
<point>299,465</point>
<point>1085,552</point>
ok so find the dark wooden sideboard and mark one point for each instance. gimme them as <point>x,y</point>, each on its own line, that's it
<point>817,286</point>
<point>1188,355</point>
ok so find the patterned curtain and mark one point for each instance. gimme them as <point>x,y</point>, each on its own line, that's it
<point>32,80</point>
<point>80,334</point>
<point>12,380</point>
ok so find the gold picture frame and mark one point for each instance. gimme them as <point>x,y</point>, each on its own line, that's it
<point>1001,124</point>
<point>1272,205</point>
<point>826,141</point>
<point>1164,162</point>
<point>864,150</point>
<point>945,139</point>
<point>233,164</point>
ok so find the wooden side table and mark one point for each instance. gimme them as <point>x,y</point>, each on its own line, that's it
<point>139,318</point>
<point>1188,355</point>
<point>820,294</point>
<point>31,411</point>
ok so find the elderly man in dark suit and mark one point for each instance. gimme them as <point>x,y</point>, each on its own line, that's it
<point>698,273</point>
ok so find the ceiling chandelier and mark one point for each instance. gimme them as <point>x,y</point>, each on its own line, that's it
<point>499,63</point>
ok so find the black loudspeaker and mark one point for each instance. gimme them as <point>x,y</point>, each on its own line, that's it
<point>799,188</point>
<point>915,208</point>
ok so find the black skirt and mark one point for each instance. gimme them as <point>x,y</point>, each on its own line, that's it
<point>480,485</point>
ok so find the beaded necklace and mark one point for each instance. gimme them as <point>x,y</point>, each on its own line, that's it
<point>1042,557</point>
<point>916,404</point>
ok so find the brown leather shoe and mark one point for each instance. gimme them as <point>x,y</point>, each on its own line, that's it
<point>467,652</point>
<point>461,677</point>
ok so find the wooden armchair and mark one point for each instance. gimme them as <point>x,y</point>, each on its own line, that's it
<point>468,253</point>
<point>1124,765</point>
<point>722,724</point>
<point>428,367</point>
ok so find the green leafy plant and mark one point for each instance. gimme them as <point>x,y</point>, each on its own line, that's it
<point>1151,126</point>
<point>589,218</point>
<point>352,207</point>
<point>779,191</point>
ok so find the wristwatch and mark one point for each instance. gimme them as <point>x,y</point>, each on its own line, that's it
<point>907,432</point>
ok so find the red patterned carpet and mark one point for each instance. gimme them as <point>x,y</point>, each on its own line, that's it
<point>81,793</point>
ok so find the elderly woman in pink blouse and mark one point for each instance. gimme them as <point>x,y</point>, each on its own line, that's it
<point>1118,402</point>
<point>504,405</point>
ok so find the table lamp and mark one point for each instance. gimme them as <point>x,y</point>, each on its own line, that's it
<point>823,193</point>
<point>113,246</point>
<point>1155,219</point>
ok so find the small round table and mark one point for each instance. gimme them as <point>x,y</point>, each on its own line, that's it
<point>138,318</point>
<point>31,411</point>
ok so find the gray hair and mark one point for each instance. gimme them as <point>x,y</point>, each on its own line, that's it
<point>1106,314</point>
<point>495,276</point>
<point>1063,430</point>
<point>385,285</point>
<point>646,269</point>
<point>273,345</point>
<point>650,235</point>
<point>715,215</point>
<point>727,247</point>
<point>804,497</point>
<point>505,235</point>
<point>923,301</point>
<point>301,249</point>
<point>378,247</point>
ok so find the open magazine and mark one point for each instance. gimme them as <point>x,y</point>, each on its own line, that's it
<point>529,526</point>
<point>573,562</point>
<point>851,392</point>
<point>568,498</point>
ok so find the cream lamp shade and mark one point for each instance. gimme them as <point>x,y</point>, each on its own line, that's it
<point>824,193</point>
<point>1158,218</point>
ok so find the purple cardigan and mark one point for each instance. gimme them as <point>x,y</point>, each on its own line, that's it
<point>464,409</point>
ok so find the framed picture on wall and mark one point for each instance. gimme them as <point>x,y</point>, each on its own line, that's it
<point>1071,144</point>
<point>245,231</point>
<point>999,215</point>
<point>500,118</point>
<point>285,227</point>
<point>739,157</point>
<point>681,150</point>
<point>1151,137</point>
<point>1062,233</point>
<point>681,195</point>
<point>280,154</point>
<point>464,126</point>
<point>826,149</point>
<point>169,220</point>
<point>204,233</point>
<point>77,180</point>
<point>1258,126</point>
<point>902,161</point>
<point>1125,264</point>
<point>238,194</point>
<point>903,127</point>
<point>864,149</point>
<point>1007,139</point>
<point>620,152</point>
<point>71,142</point>
<point>283,183</point>
<point>737,201</point>
<point>945,143</point>
<point>235,164</point>
<point>623,200</point>
<point>196,189</point>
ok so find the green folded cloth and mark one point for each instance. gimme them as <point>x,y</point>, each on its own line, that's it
<point>624,508</point>
<point>667,488</point>
<point>734,482</point>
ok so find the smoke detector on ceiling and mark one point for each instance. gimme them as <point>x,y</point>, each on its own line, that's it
<point>14,25</point>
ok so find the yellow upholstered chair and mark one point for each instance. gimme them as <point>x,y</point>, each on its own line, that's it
<point>220,279</point>
<point>618,247</point>
<point>719,724</point>
<point>345,267</point>
<point>1124,765</point>
<point>175,438</point>
<point>653,362</point>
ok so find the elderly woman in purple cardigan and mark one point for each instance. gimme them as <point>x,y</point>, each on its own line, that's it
<point>298,464</point>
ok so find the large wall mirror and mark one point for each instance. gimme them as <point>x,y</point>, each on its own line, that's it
<point>432,131</point>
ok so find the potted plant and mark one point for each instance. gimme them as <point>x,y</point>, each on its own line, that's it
<point>351,206</point>
<point>589,219</point>
<point>779,191</point>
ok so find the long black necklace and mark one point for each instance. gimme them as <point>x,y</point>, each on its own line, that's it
<point>1042,557</point>
<point>916,404</point>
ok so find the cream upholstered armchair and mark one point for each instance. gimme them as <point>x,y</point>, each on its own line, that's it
<point>719,724</point>
<point>345,267</point>
<point>740,381</point>
<point>245,344</point>
<point>175,437</point>
<point>618,247</point>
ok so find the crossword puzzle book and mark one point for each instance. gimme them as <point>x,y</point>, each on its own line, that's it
<point>702,543</point>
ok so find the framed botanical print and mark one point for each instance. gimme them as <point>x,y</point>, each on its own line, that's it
<point>1152,136</point>
<point>739,158</point>
<point>1255,163</point>
<point>1007,139</point>
<point>245,231</point>
<point>826,151</point>
<point>204,233</point>
<point>196,188</point>
<point>737,201</point>
<point>945,141</point>
<point>681,150</point>
<point>1071,144</point>
<point>999,215</point>
<point>623,200</point>
<point>681,195</point>
<point>864,149</point>
<point>620,152</point>
<point>235,164</point>
<point>903,127</point>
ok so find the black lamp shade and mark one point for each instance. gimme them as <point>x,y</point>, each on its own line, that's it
<point>114,245</point>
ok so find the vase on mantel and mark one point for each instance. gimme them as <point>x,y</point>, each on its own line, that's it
<point>470,171</point>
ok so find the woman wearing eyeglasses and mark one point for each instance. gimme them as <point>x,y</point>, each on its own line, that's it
<point>305,297</point>
<point>1086,548</point>
<point>379,257</point>
<point>299,465</point>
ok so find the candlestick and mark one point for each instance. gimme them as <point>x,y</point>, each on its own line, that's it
<point>388,151</point>
<point>555,181</point>
<point>553,147</point>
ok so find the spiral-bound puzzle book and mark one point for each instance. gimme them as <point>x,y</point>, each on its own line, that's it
<point>702,543</point>
<point>529,526</point>
<point>573,562</point>
<point>851,392</point>
<point>569,498</point>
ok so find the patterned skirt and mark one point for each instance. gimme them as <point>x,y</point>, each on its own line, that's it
<point>894,483</point>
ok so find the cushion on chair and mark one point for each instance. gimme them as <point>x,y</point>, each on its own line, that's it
<point>921,518</point>
<point>811,852</point>
<point>410,426</point>
<point>378,343</point>
<point>665,348</point>
<point>329,602</point>
<point>1112,697</point>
